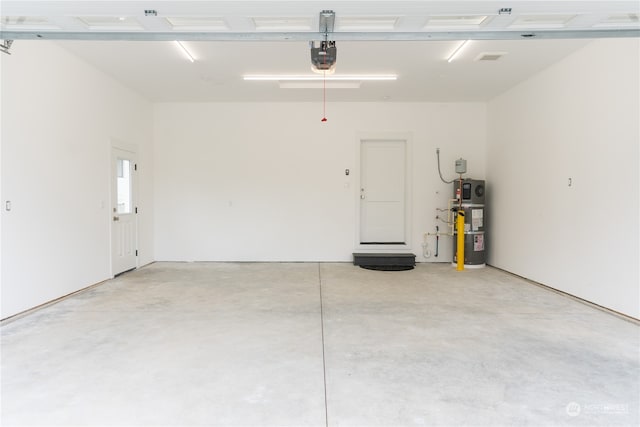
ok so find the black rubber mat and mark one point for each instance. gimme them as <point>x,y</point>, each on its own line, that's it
<point>388,267</point>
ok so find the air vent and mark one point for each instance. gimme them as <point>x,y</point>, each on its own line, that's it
<point>490,56</point>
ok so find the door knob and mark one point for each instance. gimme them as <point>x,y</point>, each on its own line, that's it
<point>116,218</point>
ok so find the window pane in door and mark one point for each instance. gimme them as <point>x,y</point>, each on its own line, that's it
<point>124,186</point>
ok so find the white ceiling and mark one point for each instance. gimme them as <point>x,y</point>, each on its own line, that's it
<point>160,72</point>
<point>232,38</point>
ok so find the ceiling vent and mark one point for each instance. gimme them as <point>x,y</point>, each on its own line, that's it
<point>490,56</point>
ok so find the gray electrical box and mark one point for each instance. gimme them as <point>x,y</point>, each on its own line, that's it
<point>461,166</point>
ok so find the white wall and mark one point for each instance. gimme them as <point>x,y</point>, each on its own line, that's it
<point>266,182</point>
<point>58,117</point>
<point>578,119</point>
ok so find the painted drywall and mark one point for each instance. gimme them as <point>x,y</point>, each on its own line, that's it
<point>266,181</point>
<point>1,192</point>
<point>563,179</point>
<point>59,115</point>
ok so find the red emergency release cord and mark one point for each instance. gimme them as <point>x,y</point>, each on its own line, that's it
<point>324,97</point>
<point>324,89</point>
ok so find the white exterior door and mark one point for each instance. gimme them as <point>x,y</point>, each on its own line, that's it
<point>382,191</point>
<point>124,254</point>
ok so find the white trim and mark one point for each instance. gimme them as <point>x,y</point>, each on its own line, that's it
<point>124,146</point>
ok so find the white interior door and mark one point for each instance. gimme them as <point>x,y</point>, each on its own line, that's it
<point>123,212</point>
<point>382,191</point>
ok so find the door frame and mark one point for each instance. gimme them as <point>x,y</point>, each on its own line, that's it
<point>408,189</point>
<point>133,149</point>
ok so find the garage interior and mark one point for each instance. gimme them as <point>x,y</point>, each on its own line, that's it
<point>179,220</point>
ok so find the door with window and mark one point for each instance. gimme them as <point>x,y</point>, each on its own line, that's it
<point>124,233</point>
<point>382,192</point>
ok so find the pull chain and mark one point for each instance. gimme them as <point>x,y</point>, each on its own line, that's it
<point>324,83</point>
<point>324,96</point>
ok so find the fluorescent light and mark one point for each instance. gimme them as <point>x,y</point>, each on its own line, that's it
<point>456,52</point>
<point>185,51</point>
<point>311,78</point>
<point>320,85</point>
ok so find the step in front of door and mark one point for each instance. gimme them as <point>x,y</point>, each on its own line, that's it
<point>384,259</point>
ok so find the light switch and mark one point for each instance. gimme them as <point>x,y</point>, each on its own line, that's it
<point>7,205</point>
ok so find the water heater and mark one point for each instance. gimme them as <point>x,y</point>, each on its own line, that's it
<point>469,194</point>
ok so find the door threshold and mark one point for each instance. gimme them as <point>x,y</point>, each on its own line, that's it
<point>123,272</point>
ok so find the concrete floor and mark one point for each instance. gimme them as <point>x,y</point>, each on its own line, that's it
<point>255,344</point>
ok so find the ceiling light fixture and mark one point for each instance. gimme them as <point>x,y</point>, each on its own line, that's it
<point>311,78</point>
<point>457,51</point>
<point>185,51</point>
<point>319,85</point>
